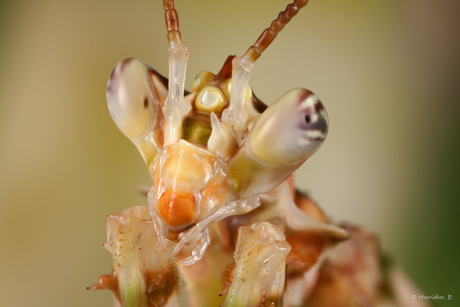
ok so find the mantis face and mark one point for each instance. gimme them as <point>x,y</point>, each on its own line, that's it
<point>213,151</point>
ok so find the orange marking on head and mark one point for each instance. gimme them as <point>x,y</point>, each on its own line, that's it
<point>177,209</point>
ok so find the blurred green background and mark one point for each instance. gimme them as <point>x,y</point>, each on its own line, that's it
<point>387,71</point>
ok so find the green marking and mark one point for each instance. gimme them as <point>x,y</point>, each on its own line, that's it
<point>242,172</point>
<point>133,296</point>
<point>196,130</point>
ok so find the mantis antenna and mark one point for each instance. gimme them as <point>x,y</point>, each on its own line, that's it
<point>269,34</point>
<point>242,66</point>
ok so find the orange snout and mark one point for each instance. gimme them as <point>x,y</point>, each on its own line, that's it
<point>177,210</point>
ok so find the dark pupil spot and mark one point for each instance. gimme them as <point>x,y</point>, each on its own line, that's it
<point>146,102</point>
<point>307,119</point>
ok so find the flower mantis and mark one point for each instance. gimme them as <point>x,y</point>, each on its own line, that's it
<point>211,153</point>
<point>222,204</point>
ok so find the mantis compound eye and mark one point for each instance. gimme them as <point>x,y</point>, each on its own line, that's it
<point>290,130</point>
<point>283,137</point>
<point>133,99</point>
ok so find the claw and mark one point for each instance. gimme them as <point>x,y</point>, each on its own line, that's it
<point>199,250</point>
<point>232,208</point>
<point>190,236</point>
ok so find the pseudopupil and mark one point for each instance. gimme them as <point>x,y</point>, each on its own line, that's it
<point>146,102</point>
<point>307,119</point>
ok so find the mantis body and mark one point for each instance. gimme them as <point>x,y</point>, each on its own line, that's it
<point>221,162</point>
<point>213,152</point>
<point>223,204</point>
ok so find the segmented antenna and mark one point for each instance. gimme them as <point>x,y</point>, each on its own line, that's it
<point>269,34</point>
<point>172,22</point>
<point>242,68</point>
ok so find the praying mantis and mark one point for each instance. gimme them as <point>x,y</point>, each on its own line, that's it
<point>222,203</point>
<point>211,153</point>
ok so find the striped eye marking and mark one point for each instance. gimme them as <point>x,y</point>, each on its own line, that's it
<point>310,102</point>
<point>311,136</point>
<point>315,125</point>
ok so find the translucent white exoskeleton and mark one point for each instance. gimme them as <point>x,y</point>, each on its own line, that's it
<point>212,152</point>
<point>260,257</point>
